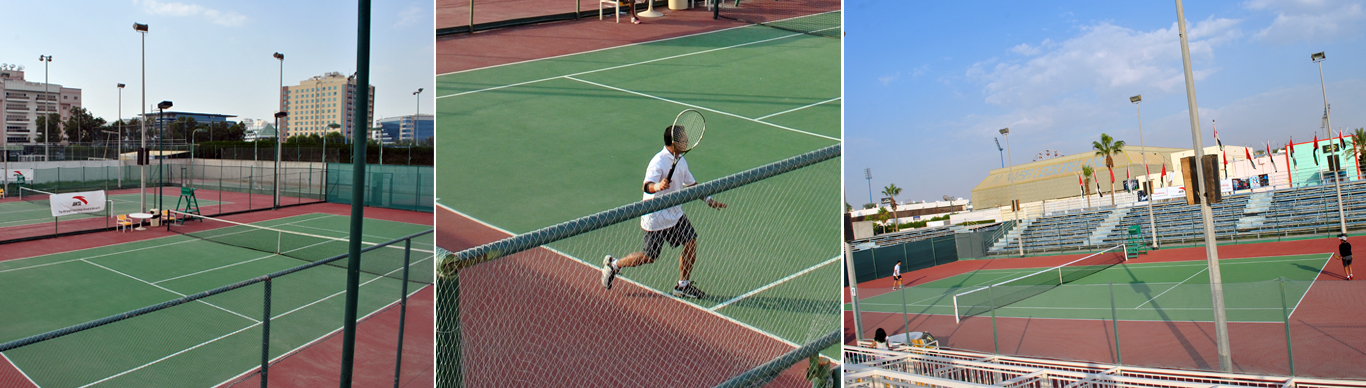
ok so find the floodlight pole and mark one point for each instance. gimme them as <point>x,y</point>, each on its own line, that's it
<point>120,136</point>
<point>142,182</point>
<point>47,121</point>
<point>279,137</point>
<point>1006,132</point>
<point>357,194</point>
<point>1216,284</point>
<point>1152,224</point>
<point>1342,216</point>
<point>868,174</point>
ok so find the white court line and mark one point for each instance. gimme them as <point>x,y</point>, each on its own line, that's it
<point>1311,286</point>
<point>775,283</point>
<point>21,371</point>
<point>242,262</point>
<point>638,284</point>
<point>113,253</point>
<point>1173,287</point>
<point>616,67</point>
<point>799,108</point>
<point>702,108</point>
<point>239,331</point>
<point>171,291</point>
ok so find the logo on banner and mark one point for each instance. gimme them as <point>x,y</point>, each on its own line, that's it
<point>75,203</point>
<point>20,175</point>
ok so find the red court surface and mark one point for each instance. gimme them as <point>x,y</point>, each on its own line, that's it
<point>516,44</point>
<point>658,343</point>
<point>1326,330</point>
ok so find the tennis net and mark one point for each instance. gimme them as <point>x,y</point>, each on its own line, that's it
<point>33,195</point>
<point>814,17</point>
<point>308,247</point>
<point>994,296</point>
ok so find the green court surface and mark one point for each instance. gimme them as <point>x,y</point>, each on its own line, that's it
<point>532,144</point>
<point>202,343</point>
<point>1166,291</point>
<point>39,211</point>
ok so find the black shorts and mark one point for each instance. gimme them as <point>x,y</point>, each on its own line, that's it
<point>896,277</point>
<point>679,234</point>
<point>1347,260</point>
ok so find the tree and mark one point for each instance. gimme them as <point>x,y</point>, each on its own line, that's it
<point>1359,149</point>
<point>881,217</point>
<point>181,128</point>
<point>42,122</point>
<point>1109,147</point>
<point>869,205</point>
<point>1087,172</point>
<point>81,126</point>
<point>891,191</point>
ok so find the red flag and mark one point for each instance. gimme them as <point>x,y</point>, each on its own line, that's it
<point>1315,153</point>
<point>1290,153</point>
<point>1112,176</point>
<point>1164,170</point>
<point>1248,152</point>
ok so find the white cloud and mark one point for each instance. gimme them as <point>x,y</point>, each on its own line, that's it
<point>224,18</point>
<point>411,16</point>
<point>888,79</point>
<point>1105,57</point>
<point>1026,50</point>
<point>1301,20</point>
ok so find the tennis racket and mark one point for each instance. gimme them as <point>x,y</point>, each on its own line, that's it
<point>687,131</point>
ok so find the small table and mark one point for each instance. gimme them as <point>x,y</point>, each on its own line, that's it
<point>142,217</point>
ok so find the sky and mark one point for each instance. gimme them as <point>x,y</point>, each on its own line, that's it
<point>929,84</point>
<point>214,56</point>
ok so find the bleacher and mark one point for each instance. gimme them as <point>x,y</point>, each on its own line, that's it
<point>1294,211</point>
<point>905,236</point>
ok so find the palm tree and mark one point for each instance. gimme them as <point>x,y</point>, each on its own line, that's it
<point>891,191</point>
<point>1086,172</point>
<point>881,216</point>
<point>1359,148</point>
<point>1109,147</point>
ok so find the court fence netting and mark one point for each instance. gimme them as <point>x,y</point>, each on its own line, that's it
<point>516,309</point>
<point>234,333</point>
<point>813,17</point>
<point>996,295</point>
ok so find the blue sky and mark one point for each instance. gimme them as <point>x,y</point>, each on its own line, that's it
<point>215,56</point>
<point>928,84</point>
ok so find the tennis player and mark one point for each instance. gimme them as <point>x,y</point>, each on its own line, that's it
<point>896,275</point>
<point>1345,253</point>
<point>668,225</point>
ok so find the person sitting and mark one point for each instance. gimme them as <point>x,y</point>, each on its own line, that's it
<point>880,340</point>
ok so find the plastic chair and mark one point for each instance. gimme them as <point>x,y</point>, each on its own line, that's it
<point>123,223</point>
<point>616,9</point>
<point>167,217</point>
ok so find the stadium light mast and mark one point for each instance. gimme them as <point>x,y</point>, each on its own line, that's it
<point>142,183</point>
<point>279,137</point>
<point>1152,224</point>
<point>47,133</point>
<point>1318,58</point>
<point>868,174</point>
<point>1013,200</point>
<point>120,136</point>
<point>1216,284</point>
<point>1000,151</point>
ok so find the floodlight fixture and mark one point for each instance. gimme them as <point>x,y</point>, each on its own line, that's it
<point>1136,99</point>
<point>139,27</point>
<point>1318,56</point>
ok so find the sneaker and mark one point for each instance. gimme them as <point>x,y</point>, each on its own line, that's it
<point>608,274</point>
<point>689,291</point>
<point>634,21</point>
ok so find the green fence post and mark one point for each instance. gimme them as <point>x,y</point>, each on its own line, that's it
<point>905,321</point>
<point>402,309</point>
<point>1285,316</point>
<point>1114,324</point>
<point>991,300</point>
<point>265,336</point>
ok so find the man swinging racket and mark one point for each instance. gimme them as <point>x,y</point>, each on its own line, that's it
<point>668,172</point>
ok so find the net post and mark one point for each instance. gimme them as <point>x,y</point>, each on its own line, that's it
<point>1114,324</point>
<point>265,334</point>
<point>957,318</point>
<point>1285,316</point>
<point>402,309</point>
<point>279,238</point>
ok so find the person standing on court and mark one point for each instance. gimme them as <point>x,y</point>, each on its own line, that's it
<point>896,275</point>
<point>668,225</point>
<point>1345,253</point>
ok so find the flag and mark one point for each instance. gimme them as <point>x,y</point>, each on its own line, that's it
<point>1112,175</point>
<point>1248,152</point>
<point>1216,137</point>
<point>1127,178</point>
<point>1342,142</point>
<point>1098,190</point>
<point>1164,171</point>
<point>1290,153</point>
<point>1081,183</point>
<point>1272,156</point>
<point>1315,153</point>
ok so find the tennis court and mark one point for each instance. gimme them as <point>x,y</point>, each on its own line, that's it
<point>532,144</point>
<point>1163,291</point>
<point>208,342</point>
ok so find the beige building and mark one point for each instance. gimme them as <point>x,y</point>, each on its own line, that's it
<point>23,101</point>
<point>1057,178</point>
<point>321,100</point>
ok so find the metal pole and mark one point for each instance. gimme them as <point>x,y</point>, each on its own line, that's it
<point>279,137</point>
<point>120,136</point>
<point>161,149</point>
<point>47,121</point>
<point>1285,316</point>
<point>1211,247</point>
<point>853,290</point>
<point>1152,223</point>
<point>142,183</point>
<point>360,120</point>
<point>1013,194</point>
<point>1337,182</point>
<point>402,309</point>
<point>265,336</point>
<point>868,174</point>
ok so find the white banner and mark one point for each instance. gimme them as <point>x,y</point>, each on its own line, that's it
<point>1169,193</point>
<point>14,173</point>
<point>1226,186</point>
<point>72,203</point>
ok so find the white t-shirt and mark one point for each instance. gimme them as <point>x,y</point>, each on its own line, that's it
<point>654,173</point>
<point>896,270</point>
